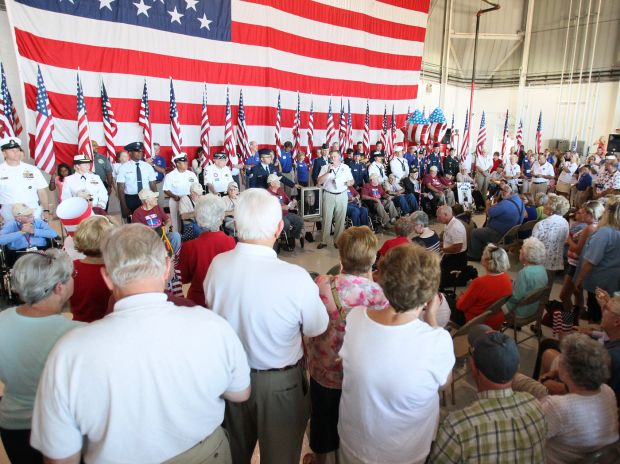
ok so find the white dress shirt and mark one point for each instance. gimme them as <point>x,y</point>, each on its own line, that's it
<point>127,175</point>
<point>337,179</point>
<point>89,182</point>
<point>179,183</point>
<point>20,184</point>
<point>268,302</point>
<point>484,163</point>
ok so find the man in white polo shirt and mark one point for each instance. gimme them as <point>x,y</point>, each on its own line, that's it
<point>177,184</point>
<point>270,321</point>
<point>454,247</point>
<point>542,173</point>
<point>218,175</point>
<point>146,383</point>
<point>20,182</point>
<point>335,178</point>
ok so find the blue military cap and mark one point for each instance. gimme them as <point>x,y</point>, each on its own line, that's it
<point>134,146</point>
<point>264,151</point>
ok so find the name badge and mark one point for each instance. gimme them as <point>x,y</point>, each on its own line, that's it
<point>29,249</point>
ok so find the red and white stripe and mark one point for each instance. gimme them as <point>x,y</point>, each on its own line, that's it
<point>366,133</point>
<point>310,132</point>
<point>437,131</point>
<point>205,129</point>
<point>296,131</point>
<point>110,129</point>
<point>418,134</point>
<point>176,138</point>
<point>84,145</point>
<point>144,121</point>
<point>482,136</point>
<point>342,132</point>
<point>229,143</point>
<point>519,136</point>
<point>278,135</point>
<point>44,155</point>
<point>330,131</point>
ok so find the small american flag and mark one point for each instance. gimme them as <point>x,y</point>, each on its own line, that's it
<point>366,139</point>
<point>391,136</point>
<point>452,134</point>
<point>110,129</point>
<point>176,138</point>
<point>229,143</point>
<point>296,130</point>
<point>205,129</point>
<point>311,131</point>
<point>84,146</point>
<point>405,139</point>
<point>242,132</point>
<point>144,120</point>
<point>330,131</point>
<point>465,145</point>
<point>505,136</point>
<point>539,134</point>
<point>482,135</point>
<point>384,128</point>
<point>519,136</point>
<point>10,124</point>
<point>342,133</point>
<point>349,138</point>
<point>278,123</point>
<point>563,322</point>
<point>44,156</point>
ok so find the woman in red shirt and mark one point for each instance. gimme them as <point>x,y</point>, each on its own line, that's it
<point>90,296</point>
<point>487,289</point>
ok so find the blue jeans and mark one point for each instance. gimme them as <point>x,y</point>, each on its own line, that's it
<point>175,241</point>
<point>408,203</point>
<point>358,214</point>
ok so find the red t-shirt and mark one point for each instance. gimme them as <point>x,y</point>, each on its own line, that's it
<point>434,181</point>
<point>482,293</point>
<point>393,242</point>
<point>90,293</point>
<point>196,257</point>
<point>370,190</point>
<point>153,218</point>
<point>282,197</point>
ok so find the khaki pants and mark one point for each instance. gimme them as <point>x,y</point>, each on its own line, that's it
<point>212,450</point>
<point>334,208</point>
<point>482,182</point>
<point>536,188</point>
<point>290,191</point>
<point>174,215</point>
<point>276,415</point>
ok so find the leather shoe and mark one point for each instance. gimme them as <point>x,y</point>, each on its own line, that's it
<point>301,241</point>
<point>321,245</point>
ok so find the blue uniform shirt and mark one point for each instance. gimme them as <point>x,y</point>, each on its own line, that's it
<point>160,162</point>
<point>286,160</point>
<point>527,168</point>
<point>421,164</point>
<point>434,160</point>
<point>302,171</point>
<point>358,171</point>
<point>409,157</point>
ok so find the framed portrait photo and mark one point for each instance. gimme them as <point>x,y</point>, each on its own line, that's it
<point>311,202</point>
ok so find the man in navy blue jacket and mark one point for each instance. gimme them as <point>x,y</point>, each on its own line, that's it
<point>260,172</point>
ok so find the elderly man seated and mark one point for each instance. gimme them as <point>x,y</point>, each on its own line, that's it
<point>25,233</point>
<point>153,216</point>
<point>293,223</point>
<point>187,206</point>
<point>440,188</point>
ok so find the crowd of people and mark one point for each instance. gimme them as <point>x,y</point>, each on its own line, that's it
<point>141,374</point>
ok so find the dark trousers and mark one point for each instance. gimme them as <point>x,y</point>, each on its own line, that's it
<point>133,203</point>
<point>453,262</point>
<point>324,418</point>
<point>17,446</point>
<point>594,309</point>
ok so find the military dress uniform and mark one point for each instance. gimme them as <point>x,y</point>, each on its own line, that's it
<point>135,176</point>
<point>89,182</point>
<point>179,184</point>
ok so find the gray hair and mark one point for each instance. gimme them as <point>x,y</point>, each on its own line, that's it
<point>496,258</point>
<point>419,218</point>
<point>133,252</point>
<point>257,215</point>
<point>586,361</point>
<point>534,251</point>
<point>557,204</point>
<point>35,275</point>
<point>210,211</point>
<point>446,209</point>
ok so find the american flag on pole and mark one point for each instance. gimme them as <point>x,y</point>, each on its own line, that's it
<point>405,140</point>
<point>144,121</point>
<point>539,134</point>
<point>330,130</point>
<point>465,146</point>
<point>482,135</point>
<point>342,133</point>
<point>366,136</point>
<point>10,124</point>
<point>452,134</point>
<point>176,138</point>
<point>384,128</point>
<point>391,139</point>
<point>278,126</point>
<point>242,132</point>
<point>110,128</point>
<point>504,137</point>
<point>205,129</point>
<point>296,130</point>
<point>229,143</point>
<point>360,50</point>
<point>519,136</point>
<point>349,138</point>
<point>84,146</point>
<point>310,131</point>
<point>44,156</point>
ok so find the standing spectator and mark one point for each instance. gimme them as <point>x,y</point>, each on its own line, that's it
<point>434,158</point>
<point>197,164</point>
<point>502,425</point>
<point>453,247</point>
<point>358,170</point>
<point>319,162</point>
<point>425,236</point>
<point>103,168</point>
<point>526,171</point>
<point>177,184</point>
<point>270,322</point>
<point>235,164</point>
<point>27,334</point>
<point>566,177</point>
<point>250,162</point>
<point>260,172</point>
<point>553,232</point>
<point>197,255</point>
<point>286,166</point>
<point>121,157</point>
<point>134,176</point>
<point>378,168</point>
<point>399,165</point>
<point>158,163</point>
<point>353,286</point>
<point>335,178</point>
<point>302,175</point>
<point>451,164</point>
<point>382,387</point>
<point>483,167</point>
<point>542,173</point>
<point>57,182</point>
<point>91,294</point>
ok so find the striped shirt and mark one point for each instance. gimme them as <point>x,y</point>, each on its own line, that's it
<point>501,427</point>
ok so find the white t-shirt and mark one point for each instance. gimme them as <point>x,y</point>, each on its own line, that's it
<point>455,233</point>
<point>512,170</point>
<point>179,183</point>
<point>268,302</point>
<point>399,167</point>
<point>143,384</point>
<point>234,160</point>
<point>579,424</point>
<point>567,176</point>
<point>337,180</point>
<point>127,174</point>
<point>389,410</point>
<point>483,163</point>
<point>89,182</point>
<point>218,177</point>
<point>20,184</point>
<point>544,170</point>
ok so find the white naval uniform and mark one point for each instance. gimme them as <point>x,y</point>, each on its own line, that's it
<point>399,167</point>
<point>378,169</point>
<point>20,184</point>
<point>89,182</point>
<point>218,177</point>
<point>178,183</point>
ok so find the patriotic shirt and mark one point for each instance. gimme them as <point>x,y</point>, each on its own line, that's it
<point>153,218</point>
<point>373,191</point>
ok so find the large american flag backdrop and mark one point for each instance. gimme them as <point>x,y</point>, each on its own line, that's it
<point>357,50</point>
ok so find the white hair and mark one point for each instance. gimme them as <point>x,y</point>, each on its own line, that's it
<point>210,211</point>
<point>35,275</point>
<point>534,251</point>
<point>133,252</point>
<point>496,258</point>
<point>257,215</point>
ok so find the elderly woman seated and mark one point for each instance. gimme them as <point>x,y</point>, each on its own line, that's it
<point>424,235</point>
<point>196,255</point>
<point>485,290</point>
<point>44,283</point>
<point>25,233</point>
<point>90,297</point>
<point>190,229</point>
<point>151,215</point>
<point>230,200</point>
<point>293,223</point>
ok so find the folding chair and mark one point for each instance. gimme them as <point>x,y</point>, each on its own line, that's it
<point>516,323</point>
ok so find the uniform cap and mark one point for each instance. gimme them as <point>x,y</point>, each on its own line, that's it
<point>10,142</point>
<point>134,146</point>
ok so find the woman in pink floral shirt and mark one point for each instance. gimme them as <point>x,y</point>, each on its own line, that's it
<point>352,287</point>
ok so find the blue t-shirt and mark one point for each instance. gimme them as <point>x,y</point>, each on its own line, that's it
<point>160,162</point>
<point>584,182</point>
<point>286,160</point>
<point>602,249</point>
<point>506,214</point>
<point>302,171</point>
<point>253,160</point>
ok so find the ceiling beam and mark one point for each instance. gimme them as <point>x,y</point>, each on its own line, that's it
<point>486,36</point>
<point>508,55</point>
